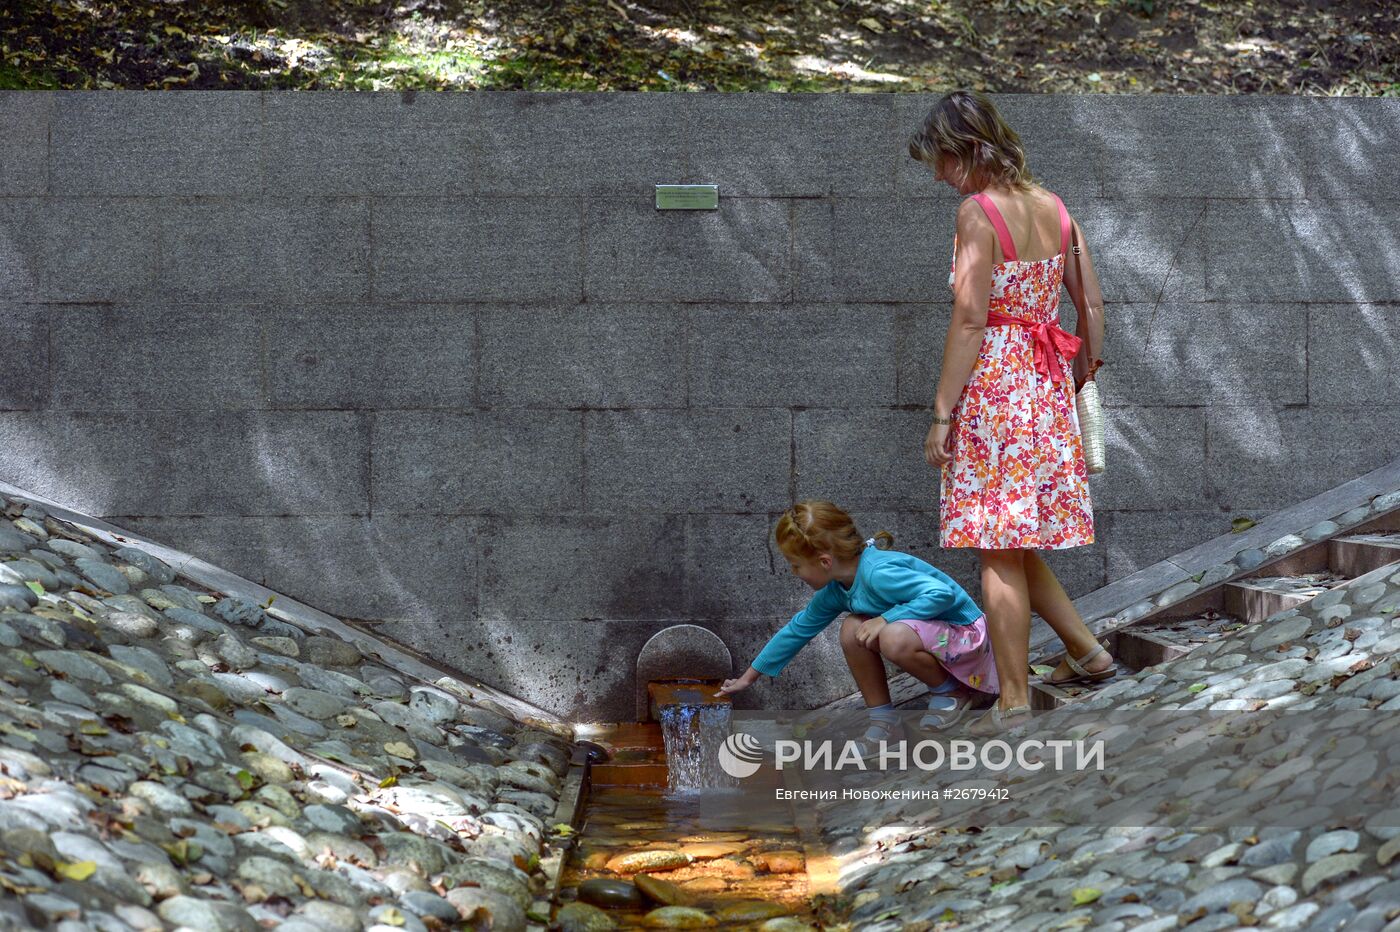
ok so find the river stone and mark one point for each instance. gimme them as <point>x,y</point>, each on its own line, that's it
<point>287,647</point>
<point>272,875</point>
<point>429,905</point>
<point>74,664</point>
<point>1221,895</point>
<point>151,566</point>
<point>329,681</point>
<point>206,915</point>
<point>660,891</point>
<point>14,541</point>
<point>73,550</point>
<point>238,611</point>
<point>404,848</point>
<point>1270,851</point>
<point>633,862</point>
<point>604,891</point>
<point>22,571</point>
<point>678,917</point>
<point>313,703</point>
<point>103,575</point>
<point>234,652</point>
<point>508,881</point>
<point>13,595</point>
<point>578,917</point>
<point>344,848</point>
<point>197,620</point>
<point>332,652</point>
<point>331,917</point>
<point>1330,869</point>
<point>1331,843</point>
<point>133,624</point>
<point>749,911</point>
<point>1276,633</point>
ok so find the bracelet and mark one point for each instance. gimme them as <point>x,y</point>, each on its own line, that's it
<point>942,420</point>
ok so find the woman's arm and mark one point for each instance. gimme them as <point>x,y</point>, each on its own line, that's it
<point>972,290</point>
<point>1093,309</point>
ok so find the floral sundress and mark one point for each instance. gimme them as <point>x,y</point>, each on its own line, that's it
<point>1017,478</point>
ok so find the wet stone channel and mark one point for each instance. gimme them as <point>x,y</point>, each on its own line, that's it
<point>668,840</point>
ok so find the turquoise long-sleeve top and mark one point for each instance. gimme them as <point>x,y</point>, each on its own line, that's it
<point>888,583</point>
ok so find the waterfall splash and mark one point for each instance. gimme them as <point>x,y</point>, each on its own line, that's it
<point>694,735</point>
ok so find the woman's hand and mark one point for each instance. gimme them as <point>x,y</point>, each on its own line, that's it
<point>937,451</point>
<point>868,634</point>
<point>736,685</point>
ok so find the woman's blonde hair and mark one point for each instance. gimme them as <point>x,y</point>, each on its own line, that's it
<point>815,527</point>
<point>966,126</point>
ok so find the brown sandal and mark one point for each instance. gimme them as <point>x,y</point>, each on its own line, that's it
<point>1081,675</point>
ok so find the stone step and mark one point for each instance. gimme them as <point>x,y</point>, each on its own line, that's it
<point>1256,598</point>
<point>1175,630</point>
<point>1357,555</point>
<point>638,774</point>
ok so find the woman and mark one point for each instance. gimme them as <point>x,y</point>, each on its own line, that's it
<point>1005,432</point>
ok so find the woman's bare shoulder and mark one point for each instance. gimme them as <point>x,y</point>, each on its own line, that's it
<point>971,217</point>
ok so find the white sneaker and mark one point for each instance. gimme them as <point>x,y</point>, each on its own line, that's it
<point>945,709</point>
<point>880,730</point>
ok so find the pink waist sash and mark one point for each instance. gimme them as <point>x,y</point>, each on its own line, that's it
<point>1047,339</point>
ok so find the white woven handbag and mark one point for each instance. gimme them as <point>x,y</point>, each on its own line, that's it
<point>1087,403</point>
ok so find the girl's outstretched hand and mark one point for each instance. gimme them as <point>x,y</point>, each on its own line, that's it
<point>736,685</point>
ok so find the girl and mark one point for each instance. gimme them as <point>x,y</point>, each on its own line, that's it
<point>1005,433</point>
<point>901,609</point>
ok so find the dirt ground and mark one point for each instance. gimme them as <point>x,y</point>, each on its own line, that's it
<point>1351,47</point>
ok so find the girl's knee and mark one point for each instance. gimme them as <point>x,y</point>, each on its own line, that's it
<point>898,641</point>
<point>849,626</point>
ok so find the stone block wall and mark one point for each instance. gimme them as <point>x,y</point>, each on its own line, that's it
<point>347,344</point>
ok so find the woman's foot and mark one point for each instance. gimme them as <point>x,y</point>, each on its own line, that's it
<point>1096,664</point>
<point>999,720</point>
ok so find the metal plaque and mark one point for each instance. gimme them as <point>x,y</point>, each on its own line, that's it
<point>687,197</point>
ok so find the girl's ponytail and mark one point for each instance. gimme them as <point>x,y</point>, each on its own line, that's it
<point>816,526</point>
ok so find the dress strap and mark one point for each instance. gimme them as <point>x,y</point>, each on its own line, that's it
<point>1008,248</point>
<point>1064,223</point>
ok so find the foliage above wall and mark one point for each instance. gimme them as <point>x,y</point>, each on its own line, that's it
<point>1351,47</point>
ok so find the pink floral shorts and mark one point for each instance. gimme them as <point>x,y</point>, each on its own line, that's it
<point>964,650</point>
